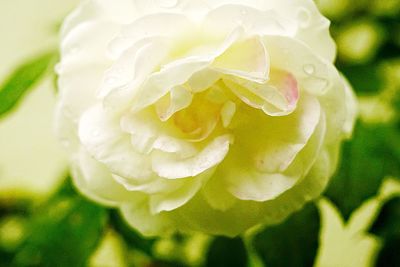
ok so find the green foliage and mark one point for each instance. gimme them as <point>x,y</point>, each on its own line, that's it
<point>366,79</point>
<point>366,160</point>
<point>130,236</point>
<point>22,80</point>
<point>226,251</point>
<point>292,243</point>
<point>63,232</point>
<point>387,226</point>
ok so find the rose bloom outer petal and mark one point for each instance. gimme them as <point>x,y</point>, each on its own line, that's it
<point>118,159</point>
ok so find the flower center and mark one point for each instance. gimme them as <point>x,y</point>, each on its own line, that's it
<point>200,118</point>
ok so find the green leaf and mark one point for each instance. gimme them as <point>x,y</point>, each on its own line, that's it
<point>365,79</point>
<point>131,237</point>
<point>366,160</point>
<point>225,251</point>
<point>292,243</point>
<point>387,226</point>
<point>64,232</point>
<point>389,255</point>
<point>22,80</point>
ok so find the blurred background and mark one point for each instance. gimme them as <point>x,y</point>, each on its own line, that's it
<point>44,222</point>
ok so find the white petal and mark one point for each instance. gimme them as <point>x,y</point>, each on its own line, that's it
<point>170,201</point>
<point>202,80</point>
<point>255,20</point>
<point>277,97</point>
<point>168,166</point>
<point>100,133</point>
<point>313,74</point>
<point>165,25</point>
<point>351,107</point>
<point>137,214</point>
<point>121,11</point>
<point>247,59</point>
<point>86,46</point>
<point>300,19</point>
<point>148,133</point>
<point>178,99</point>
<point>264,169</point>
<point>216,195</point>
<point>178,72</point>
<point>227,112</point>
<point>95,181</point>
<point>134,65</point>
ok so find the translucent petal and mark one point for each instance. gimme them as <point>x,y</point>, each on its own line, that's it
<point>247,59</point>
<point>137,214</point>
<point>178,99</point>
<point>173,200</point>
<point>277,97</point>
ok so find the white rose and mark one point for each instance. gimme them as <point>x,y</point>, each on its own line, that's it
<point>201,115</point>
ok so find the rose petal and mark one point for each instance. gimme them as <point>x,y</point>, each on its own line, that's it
<point>100,133</point>
<point>168,166</point>
<point>95,180</point>
<point>262,170</point>
<point>247,59</point>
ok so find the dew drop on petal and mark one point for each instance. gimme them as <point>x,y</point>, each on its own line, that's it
<point>309,69</point>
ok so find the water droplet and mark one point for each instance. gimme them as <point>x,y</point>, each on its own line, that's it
<point>309,69</point>
<point>304,17</point>
<point>168,3</point>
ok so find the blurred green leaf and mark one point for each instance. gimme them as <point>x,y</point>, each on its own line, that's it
<point>292,243</point>
<point>130,236</point>
<point>22,80</point>
<point>225,251</point>
<point>367,158</point>
<point>388,222</point>
<point>389,255</point>
<point>64,232</point>
<point>387,226</point>
<point>365,79</point>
